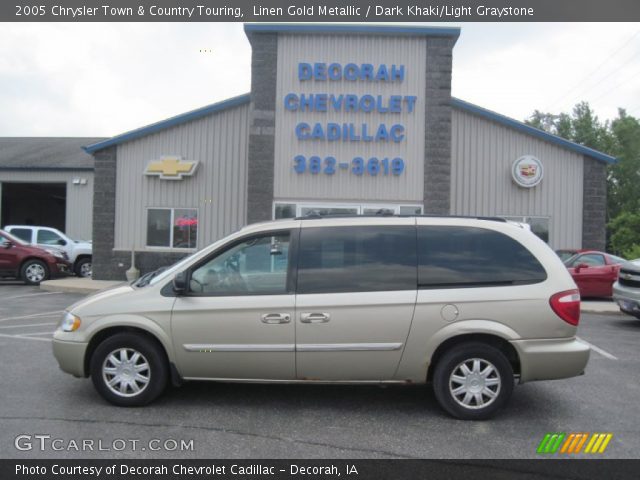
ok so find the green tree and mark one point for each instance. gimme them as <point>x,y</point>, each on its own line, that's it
<point>625,236</point>
<point>624,177</point>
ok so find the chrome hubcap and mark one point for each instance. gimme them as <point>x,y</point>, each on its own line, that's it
<point>85,270</point>
<point>475,383</point>
<point>126,372</point>
<point>35,273</point>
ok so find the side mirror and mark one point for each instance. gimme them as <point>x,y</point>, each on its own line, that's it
<point>7,244</point>
<point>62,242</point>
<point>580,266</point>
<point>180,283</point>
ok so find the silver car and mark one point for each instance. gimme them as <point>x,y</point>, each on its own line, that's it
<point>469,305</point>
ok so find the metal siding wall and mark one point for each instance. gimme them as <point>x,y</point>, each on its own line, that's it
<point>481,159</point>
<point>343,185</point>
<point>217,190</point>
<point>79,197</point>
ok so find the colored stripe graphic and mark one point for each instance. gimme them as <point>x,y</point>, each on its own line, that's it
<point>598,443</point>
<point>573,443</point>
<point>551,442</point>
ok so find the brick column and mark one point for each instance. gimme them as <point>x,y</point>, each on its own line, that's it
<point>437,146</point>
<point>594,204</point>
<point>104,213</point>
<point>262,126</point>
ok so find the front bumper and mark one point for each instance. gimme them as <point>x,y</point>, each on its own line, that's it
<point>627,298</point>
<point>551,359</point>
<point>70,356</point>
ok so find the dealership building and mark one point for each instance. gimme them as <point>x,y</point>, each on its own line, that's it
<point>340,120</point>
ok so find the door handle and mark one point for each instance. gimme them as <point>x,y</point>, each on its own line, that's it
<point>273,318</point>
<point>314,317</point>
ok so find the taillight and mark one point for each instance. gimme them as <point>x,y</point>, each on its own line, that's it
<point>567,306</point>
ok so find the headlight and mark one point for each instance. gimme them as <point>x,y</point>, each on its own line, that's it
<point>55,253</point>
<point>70,322</point>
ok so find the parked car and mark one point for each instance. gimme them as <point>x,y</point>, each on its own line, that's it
<point>471,305</point>
<point>567,253</point>
<point>79,252</point>
<point>594,272</point>
<point>30,264</point>
<point>626,291</point>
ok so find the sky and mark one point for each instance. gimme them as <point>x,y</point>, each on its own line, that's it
<point>87,79</point>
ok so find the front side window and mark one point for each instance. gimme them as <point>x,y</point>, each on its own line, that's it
<point>257,266</point>
<point>591,259</point>
<point>46,237</point>
<point>172,227</point>
<point>459,257</point>
<point>357,259</point>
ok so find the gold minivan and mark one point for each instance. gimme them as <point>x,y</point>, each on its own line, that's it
<point>471,305</point>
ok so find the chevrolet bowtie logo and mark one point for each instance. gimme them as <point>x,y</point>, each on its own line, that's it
<point>171,168</point>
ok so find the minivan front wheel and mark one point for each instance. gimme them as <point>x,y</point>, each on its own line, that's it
<point>472,381</point>
<point>129,370</point>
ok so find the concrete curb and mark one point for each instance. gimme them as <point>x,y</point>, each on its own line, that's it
<point>77,285</point>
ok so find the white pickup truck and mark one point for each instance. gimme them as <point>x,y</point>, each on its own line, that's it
<point>79,251</point>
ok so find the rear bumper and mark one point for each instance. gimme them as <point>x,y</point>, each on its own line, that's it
<point>70,356</point>
<point>551,359</point>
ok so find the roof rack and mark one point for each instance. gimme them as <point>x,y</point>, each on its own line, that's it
<point>386,214</point>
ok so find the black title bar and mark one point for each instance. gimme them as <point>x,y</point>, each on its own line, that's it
<point>319,11</point>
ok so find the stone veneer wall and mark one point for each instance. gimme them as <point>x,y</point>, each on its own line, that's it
<point>437,145</point>
<point>262,126</point>
<point>594,204</point>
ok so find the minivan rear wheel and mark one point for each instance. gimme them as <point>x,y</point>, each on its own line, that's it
<point>129,370</point>
<point>472,381</point>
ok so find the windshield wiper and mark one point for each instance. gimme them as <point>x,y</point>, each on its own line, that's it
<point>144,280</point>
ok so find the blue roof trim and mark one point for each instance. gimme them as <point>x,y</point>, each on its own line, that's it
<point>523,127</point>
<point>363,29</point>
<point>169,122</point>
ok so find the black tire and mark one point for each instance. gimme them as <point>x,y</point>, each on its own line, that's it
<point>452,361</point>
<point>149,350</point>
<point>82,265</point>
<point>27,268</point>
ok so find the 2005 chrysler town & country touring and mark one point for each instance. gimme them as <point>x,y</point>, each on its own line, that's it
<point>470,305</point>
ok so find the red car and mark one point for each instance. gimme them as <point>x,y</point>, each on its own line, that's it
<point>594,272</point>
<point>30,264</point>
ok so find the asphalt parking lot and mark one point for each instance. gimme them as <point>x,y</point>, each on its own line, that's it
<point>281,421</point>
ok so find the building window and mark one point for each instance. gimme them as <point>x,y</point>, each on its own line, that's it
<point>172,227</point>
<point>538,225</point>
<point>292,210</point>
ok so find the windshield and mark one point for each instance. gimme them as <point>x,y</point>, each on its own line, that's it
<point>152,277</point>
<point>176,267</point>
<point>12,238</point>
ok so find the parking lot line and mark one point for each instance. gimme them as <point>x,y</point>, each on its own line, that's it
<point>596,349</point>
<point>43,314</point>
<point>32,295</point>
<point>22,337</point>
<point>29,325</point>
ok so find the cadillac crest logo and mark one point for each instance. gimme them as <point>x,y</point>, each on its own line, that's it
<point>527,171</point>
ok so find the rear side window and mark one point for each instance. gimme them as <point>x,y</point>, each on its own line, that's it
<point>357,259</point>
<point>459,257</point>
<point>22,234</point>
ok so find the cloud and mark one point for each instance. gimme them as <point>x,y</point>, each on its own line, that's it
<point>101,79</point>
